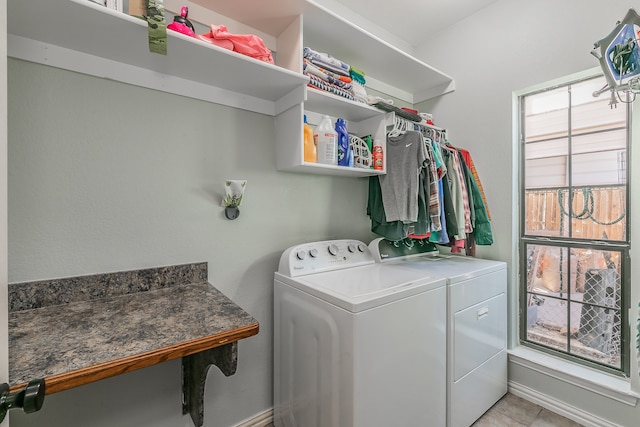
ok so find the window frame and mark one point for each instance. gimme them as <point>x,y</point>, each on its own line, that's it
<point>624,247</point>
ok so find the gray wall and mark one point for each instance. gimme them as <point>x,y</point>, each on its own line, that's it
<point>107,177</point>
<point>510,46</point>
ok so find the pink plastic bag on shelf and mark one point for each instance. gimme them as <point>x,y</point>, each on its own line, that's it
<point>246,44</point>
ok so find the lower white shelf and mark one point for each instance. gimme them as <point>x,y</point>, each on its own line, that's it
<point>322,169</point>
<point>361,119</point>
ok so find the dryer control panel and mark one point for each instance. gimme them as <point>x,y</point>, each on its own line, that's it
<point>321,256</point>
<point>388,250</point>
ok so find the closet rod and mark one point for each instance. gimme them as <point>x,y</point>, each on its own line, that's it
<point>393,122</point>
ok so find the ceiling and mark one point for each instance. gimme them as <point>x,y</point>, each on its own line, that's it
<point>414,20</point>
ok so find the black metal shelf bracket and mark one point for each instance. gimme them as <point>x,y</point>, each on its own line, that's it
<point>194,376</point>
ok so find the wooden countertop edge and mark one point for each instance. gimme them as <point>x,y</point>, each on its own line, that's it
<point>67,380</point>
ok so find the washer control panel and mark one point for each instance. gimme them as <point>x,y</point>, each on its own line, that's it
<point>327,255</point>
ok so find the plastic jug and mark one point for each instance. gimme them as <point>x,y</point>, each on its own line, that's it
<point>310,150</point>
<point>369,142</point>
<point>326,140</point>
<point>344,150</point>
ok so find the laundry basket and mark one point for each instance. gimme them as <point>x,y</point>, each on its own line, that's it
<point>362,157</point>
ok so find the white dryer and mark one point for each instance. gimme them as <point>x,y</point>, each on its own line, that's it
<point>476,323</point>
<point>356,343</point>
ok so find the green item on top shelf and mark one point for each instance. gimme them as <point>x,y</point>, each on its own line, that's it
<point>358,71</point>
<point>157,27</point>
<point>357,75</point>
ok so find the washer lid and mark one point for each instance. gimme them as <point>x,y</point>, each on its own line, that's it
<point>360,288</point>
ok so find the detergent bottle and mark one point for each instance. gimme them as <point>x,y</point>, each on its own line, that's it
<point>369,142</point>
<point>326,139</point>
<point>310,150</point>
<point>344,150</point>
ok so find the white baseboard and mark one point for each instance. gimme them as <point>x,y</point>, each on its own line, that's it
<point>589,379</point>
<point>561,408</point>
<point>261,419</point>
<point>587,419</point>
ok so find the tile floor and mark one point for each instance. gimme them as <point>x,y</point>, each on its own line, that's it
<point>513,411</point>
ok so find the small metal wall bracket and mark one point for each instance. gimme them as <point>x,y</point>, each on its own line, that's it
<point>30,399</point>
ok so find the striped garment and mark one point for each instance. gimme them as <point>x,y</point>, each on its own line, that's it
<point>318,83</point>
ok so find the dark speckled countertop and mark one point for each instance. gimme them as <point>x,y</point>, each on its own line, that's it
<point>71,325</point>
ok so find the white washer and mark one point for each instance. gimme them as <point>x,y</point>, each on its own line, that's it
<point>357,343</point>
<point>476,323</point>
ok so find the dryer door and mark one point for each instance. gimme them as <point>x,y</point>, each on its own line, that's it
<point>479,333</point>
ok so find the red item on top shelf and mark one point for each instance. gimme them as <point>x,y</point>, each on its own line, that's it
<point>246,44</point>
<point>410,110</point>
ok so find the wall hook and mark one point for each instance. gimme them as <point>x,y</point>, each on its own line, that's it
<point>231,212</point>
<point>234,192</point>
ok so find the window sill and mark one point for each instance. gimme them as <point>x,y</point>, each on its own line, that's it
<point>601,383</point>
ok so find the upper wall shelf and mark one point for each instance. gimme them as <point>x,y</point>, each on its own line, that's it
<point>269,17</point>
<point>387,68</point>
<point>82,36</point>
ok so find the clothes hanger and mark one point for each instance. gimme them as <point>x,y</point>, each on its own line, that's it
<point>400,126</point>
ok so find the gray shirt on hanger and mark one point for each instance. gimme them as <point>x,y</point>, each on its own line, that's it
<point>406,156</point>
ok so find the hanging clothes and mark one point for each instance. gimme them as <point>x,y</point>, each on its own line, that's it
<point>391,230</point>
<point>458,195</point>
<point>433,187</point>
<point>420,228</point>
<point>429,192</point>
<point>446,223</point>
<point>448,208</point>
<point>480,218</point>
<point>397,201</point>
<point>472,167</point>
<point>482,233</point>
<point>406,155</point>
<point>441,236</point>
<point>467,179</point>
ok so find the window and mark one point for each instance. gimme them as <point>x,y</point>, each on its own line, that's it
<point>574,240</point>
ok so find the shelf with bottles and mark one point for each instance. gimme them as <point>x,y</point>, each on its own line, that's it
<point>86,37</point>
<point>361,119</point>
